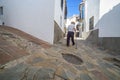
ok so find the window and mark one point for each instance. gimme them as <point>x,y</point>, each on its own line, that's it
<point>91,23</point>
<point>62,4</point>
<point>1,10</point>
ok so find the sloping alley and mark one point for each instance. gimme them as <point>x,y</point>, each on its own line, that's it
<point>23,57</point>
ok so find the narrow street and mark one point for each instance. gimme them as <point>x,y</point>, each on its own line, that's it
<point>28,59</point>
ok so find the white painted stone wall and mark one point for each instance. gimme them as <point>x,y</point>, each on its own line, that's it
<point>91,9</point>
<point>35,17</point>
<point>59,13</point>
<point>106,16</point>
<point>109,22</point>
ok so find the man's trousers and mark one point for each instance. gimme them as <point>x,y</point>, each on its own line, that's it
<point>70,35</point>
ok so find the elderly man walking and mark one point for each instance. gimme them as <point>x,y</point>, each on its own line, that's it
<point>70,34</point>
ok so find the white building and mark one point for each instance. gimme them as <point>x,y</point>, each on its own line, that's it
<point>102,22</point>
<point>91,14</point>
<point>109,19</point>
<point>103,15</point>
<point>70,19</point>
<point>36,17</point>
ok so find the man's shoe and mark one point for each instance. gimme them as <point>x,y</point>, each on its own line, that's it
<point>73,44</point>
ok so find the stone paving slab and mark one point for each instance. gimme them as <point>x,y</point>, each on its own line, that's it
<point>14,51</point>
<point>4,58</point>
<point>99,75</point>
<point>14,73</point>
<point>9,52</point>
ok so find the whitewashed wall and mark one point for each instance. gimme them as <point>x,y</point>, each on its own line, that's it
<point>63,15</point>
<point>109,23</point>
<point>35,17</point>
<point>91,9</point>
<point>59,14</point>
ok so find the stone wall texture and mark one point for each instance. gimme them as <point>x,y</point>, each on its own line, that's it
<point>58,33</point>
<point>110,43</point>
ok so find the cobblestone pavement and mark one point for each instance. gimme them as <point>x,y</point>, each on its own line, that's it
<point>24,59</point>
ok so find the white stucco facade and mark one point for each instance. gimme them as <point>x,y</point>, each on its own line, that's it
<point>59,13</point>
<point>106,16</point>
<point>34,17</point>
<point>109,21</point>
<point>91,9</point>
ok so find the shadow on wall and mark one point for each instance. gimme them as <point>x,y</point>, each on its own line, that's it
<point>0,22</point>
<point>58,33</point>
<point>109,23</point>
